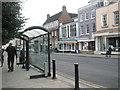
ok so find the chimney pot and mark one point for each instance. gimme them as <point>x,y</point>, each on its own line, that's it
<point>64,8</point>
<point>48,15</point>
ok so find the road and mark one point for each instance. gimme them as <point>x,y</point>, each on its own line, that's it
<point>100,71</point>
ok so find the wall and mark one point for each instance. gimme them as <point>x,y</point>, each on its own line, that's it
<point>107,10</point>
<point>88,10</point>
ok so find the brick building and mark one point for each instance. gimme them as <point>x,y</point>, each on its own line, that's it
<point>53,22</point>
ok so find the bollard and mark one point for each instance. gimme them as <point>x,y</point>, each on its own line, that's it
<point>76,77</point>
<point>46,69</point>
<point>54,69</point>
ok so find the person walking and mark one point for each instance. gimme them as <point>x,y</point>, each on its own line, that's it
<point>11,53</point>
<point>108,52</point>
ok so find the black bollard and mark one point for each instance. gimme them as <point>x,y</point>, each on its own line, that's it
<point>54,69</point>
<point>76,77</point>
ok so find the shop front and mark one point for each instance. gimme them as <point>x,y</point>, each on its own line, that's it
<point>86,44</point>
<point>67,46</point>
<point>105,39</point>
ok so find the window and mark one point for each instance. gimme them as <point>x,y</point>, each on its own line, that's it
<point>81,17</point>
<point>106,2</point>
<point>68,31</point>
<point>64,31</point>
<point>55,33</point>
<point>104,20</point>
<point>73,30</point>
<point>86,16</point>
<point>93,27</point>
<point>116,18</point>
<point>87,29</point>
<point>81,29</point>
<point>93,14</point>
<point>100,4</point>
<point>52,33</point>
<point>72,46</point>
<point>60,46</point>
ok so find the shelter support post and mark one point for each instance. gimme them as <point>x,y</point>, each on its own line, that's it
<point>27,55</point>
<point>49,66</point>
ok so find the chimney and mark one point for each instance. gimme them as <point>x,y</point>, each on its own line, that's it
<point>48,15</point>
<point>64,8</point>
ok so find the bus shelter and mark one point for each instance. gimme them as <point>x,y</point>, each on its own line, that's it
<point>37,48</point>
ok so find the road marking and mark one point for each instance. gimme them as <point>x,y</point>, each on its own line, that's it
<point>81,81</point>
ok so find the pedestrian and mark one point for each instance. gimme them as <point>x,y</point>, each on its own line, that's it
<point>108,52</point>
<point>2,60</point>
<point>11,53</point>
<point>76,50</point>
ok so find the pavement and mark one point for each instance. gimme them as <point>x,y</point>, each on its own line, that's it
<point>89,55</point>
<point>20,78</point>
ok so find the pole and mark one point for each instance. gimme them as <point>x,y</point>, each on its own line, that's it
<point>23,67</point>
<point>63,47</point>
<point>54,69</point>
<point>76,77</point>
<point>27,55</point>
<point>49,66</point>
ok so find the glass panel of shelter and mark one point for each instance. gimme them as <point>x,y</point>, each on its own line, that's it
<point>39,51</point>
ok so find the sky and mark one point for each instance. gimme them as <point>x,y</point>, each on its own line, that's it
<point>37,10</point>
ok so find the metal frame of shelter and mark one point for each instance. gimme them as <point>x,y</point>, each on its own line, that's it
<point>32,33</point>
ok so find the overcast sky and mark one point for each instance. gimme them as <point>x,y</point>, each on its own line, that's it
<point>37,10</point>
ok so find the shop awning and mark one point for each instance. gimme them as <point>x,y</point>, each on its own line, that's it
<point>85,40</point>
<point>67,42</point>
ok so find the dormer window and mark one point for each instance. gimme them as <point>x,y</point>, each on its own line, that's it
<point>106,2</point>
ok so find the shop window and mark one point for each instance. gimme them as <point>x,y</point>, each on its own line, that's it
<point>60,46</point>
<point>73,46</point>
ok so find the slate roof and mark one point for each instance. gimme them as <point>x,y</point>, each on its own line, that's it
<point>56,16</point>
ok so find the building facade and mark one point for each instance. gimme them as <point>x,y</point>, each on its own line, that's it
<point>53,22</point>
<point>86,26</point>
<point>68,34</point>
<point>108,28</point>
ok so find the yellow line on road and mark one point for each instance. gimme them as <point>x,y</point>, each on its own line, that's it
<point>81,81</point>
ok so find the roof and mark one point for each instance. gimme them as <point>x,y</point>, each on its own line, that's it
<point>72,15</point>
<point>56,17</point>
<point>53,18</point>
